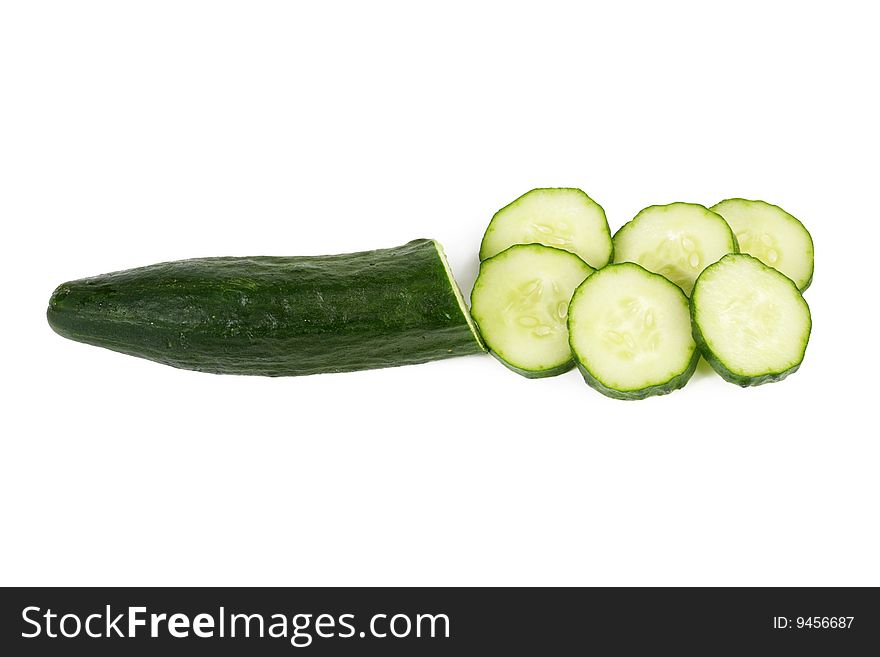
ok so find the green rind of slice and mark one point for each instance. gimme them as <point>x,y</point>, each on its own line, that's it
<point>682,370</point>
<point>731,376</point>
<point>773,236</point>
<point>560,217</point>
<point>710,352</point>
<point>520,303</point>
<point>535,374</point>
<point>672,385</point>
<point>677,241</point>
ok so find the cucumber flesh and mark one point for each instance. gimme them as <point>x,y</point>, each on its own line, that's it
<point>772,235</point>
<point>630,333</point>
<point>564,218</point>
<point>520,303</point>
<point>750,321</point>
<point>677,241</point>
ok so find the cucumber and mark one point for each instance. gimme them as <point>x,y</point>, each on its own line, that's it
<point>276,316</point>
<point>563,217</point>
<point>677,241</point>
<point>750,321</point>
<point>520,303</point>
<point>773,236</point>
<point>630,333</point>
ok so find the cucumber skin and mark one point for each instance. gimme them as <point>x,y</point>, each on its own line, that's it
<point>666,205</point>
<point>809,235</point>
<point>734,241</point>
<point>535,374</point>
<point>675,383</point>
<point>672,385</point>
<point>713,360</point>
<point>728,375</point>
<point>531,374</point>
<point>274,316</point>
<point>517,200</point>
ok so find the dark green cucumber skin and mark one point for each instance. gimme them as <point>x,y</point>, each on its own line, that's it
<point>673,384</point>
<point>274,316</point>
<point>717,364</point>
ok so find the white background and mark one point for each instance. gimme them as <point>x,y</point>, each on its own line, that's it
<point>136,132</point>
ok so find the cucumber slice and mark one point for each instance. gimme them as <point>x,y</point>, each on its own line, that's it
<point>750,321</point>
<point>564,218</point>
<point>520,304</point>
<point>773,236</point>
<point>630,332</point>
<point>677,241</point>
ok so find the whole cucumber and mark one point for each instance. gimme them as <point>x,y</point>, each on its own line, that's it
<point>276,316</point>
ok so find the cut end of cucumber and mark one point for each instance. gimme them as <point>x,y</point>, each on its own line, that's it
<point>560,217</point>
<point>677,241</point>
<point>771,235</point>
<point>630,333</point>
<point>458,295</point>
<point>520,303</point>
<point>751,322</point>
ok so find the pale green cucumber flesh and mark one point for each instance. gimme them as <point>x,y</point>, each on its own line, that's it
<point>771,235</point>
<point>750,321</point>
<point>677,241</point>
<point>520,303</point>
<point>630,333</point>
<point>564,218</point>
